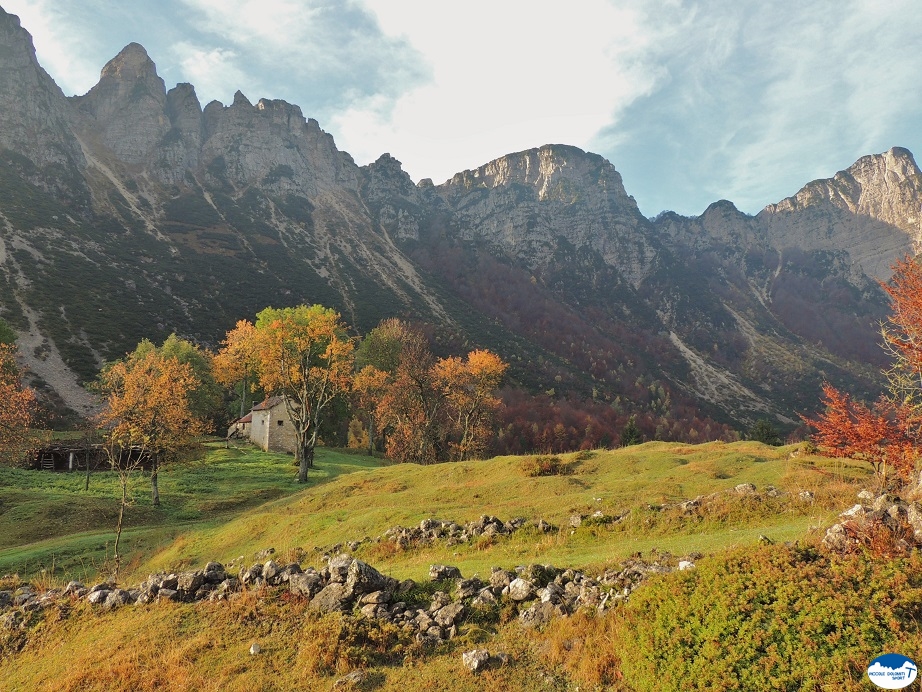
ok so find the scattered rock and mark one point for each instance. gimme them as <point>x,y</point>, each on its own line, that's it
<point>350,681</point>
<point>521,589</point>
<point>255,649</point>
<point>440,572</point>
<point>476,660</point>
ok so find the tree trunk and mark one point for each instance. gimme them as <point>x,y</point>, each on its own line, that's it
<point>243,396</point>
<point>371,435</point>
<point>154,487</point>
<point>118,527</point>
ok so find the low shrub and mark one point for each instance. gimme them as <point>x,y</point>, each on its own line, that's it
<point>544,465</point>
<point>773,618</point>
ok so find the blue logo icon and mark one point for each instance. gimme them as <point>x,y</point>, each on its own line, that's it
<point>892,671</point>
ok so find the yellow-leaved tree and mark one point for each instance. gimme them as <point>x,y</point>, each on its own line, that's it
<point>147,417</point>
<point>302,354</point>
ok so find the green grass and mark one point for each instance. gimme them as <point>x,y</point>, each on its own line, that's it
<point>366,502</point>
<point>236,502</point>
<point>48,520</point>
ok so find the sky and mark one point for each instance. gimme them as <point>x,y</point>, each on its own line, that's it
<point>692,102</point>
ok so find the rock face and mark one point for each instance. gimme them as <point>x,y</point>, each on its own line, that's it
<point>33,110</point>
<point>524,203</point>
<point>128,105</point>
<point>169,217</point>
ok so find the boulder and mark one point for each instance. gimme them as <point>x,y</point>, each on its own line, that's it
<point>440,599</point>
<point>190,582</point>
<point>521,589</point>
<point>448,615</point>
<point>118,597</point>
<point>468,588</point>
<point>442,572</point>
<point>251,575</point>
<point>332,598</point>
<point>73,587</point>
<point>98,597</point>
<point>271,571</point>
<point>537,615</point>
<point>362,578</point>
<point>914,519</point>
<point>351,681</point>
<point>11,621</point>
<point>338,569</point>
<point>376,597</point>
<point>305,584</point>
<point>476,660</point>
<point>500,578</point>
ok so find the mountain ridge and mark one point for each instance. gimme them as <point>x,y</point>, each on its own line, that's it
<point>132,212</point>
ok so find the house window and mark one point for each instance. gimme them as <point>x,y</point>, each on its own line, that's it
<point>281,422</point>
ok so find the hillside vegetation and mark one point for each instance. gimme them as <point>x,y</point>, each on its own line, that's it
<point>677,631</point>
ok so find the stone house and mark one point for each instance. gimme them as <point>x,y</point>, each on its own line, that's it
<point>270,428</point>
<point>241,427</point>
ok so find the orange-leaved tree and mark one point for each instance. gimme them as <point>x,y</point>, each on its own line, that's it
<point>235,365</point>
<point>430,410</point>
<point>18,411</point>
<point>469,385</point>
<point>305,355</point>
<point>147,417</point>
<point>889,433</point>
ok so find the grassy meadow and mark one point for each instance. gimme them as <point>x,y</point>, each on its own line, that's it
<point>235,502</point>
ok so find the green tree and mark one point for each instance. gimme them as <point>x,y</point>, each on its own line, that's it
<point>763,431</point>
<point>8,335</point>
<point>630,433</point>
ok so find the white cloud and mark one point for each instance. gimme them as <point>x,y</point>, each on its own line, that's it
<point>210,71</point>
<point>505,76</point>
<point>58,49</point>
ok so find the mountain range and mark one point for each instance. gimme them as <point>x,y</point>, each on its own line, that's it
<point>133,212</point>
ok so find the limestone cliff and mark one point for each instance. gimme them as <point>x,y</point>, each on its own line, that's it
<point>871,211</point>
<point>524,204</point>
<point>34,111</point>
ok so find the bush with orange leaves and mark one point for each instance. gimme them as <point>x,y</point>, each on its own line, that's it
<point>887,434</point>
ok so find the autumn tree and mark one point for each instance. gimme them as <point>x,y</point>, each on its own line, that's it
<point>430,410</point>
<point>469,387</point>
<point>147,416</point>
<point>206,400</point>
<point>887,434</point>
<point>412,408</point>
<point>376,360</point>
<point>235,365</point>
<point>17,414</point>
<point>303,354</point>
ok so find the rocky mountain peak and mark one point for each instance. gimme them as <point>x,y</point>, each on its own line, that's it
<point>34,108</point>
<point>129,105</point>
<point>555,171</point>
<point>132,63</point>
<point>241,100</point>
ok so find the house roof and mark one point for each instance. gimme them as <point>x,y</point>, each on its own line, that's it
<point>269,403</point>
<point>248,418</point>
